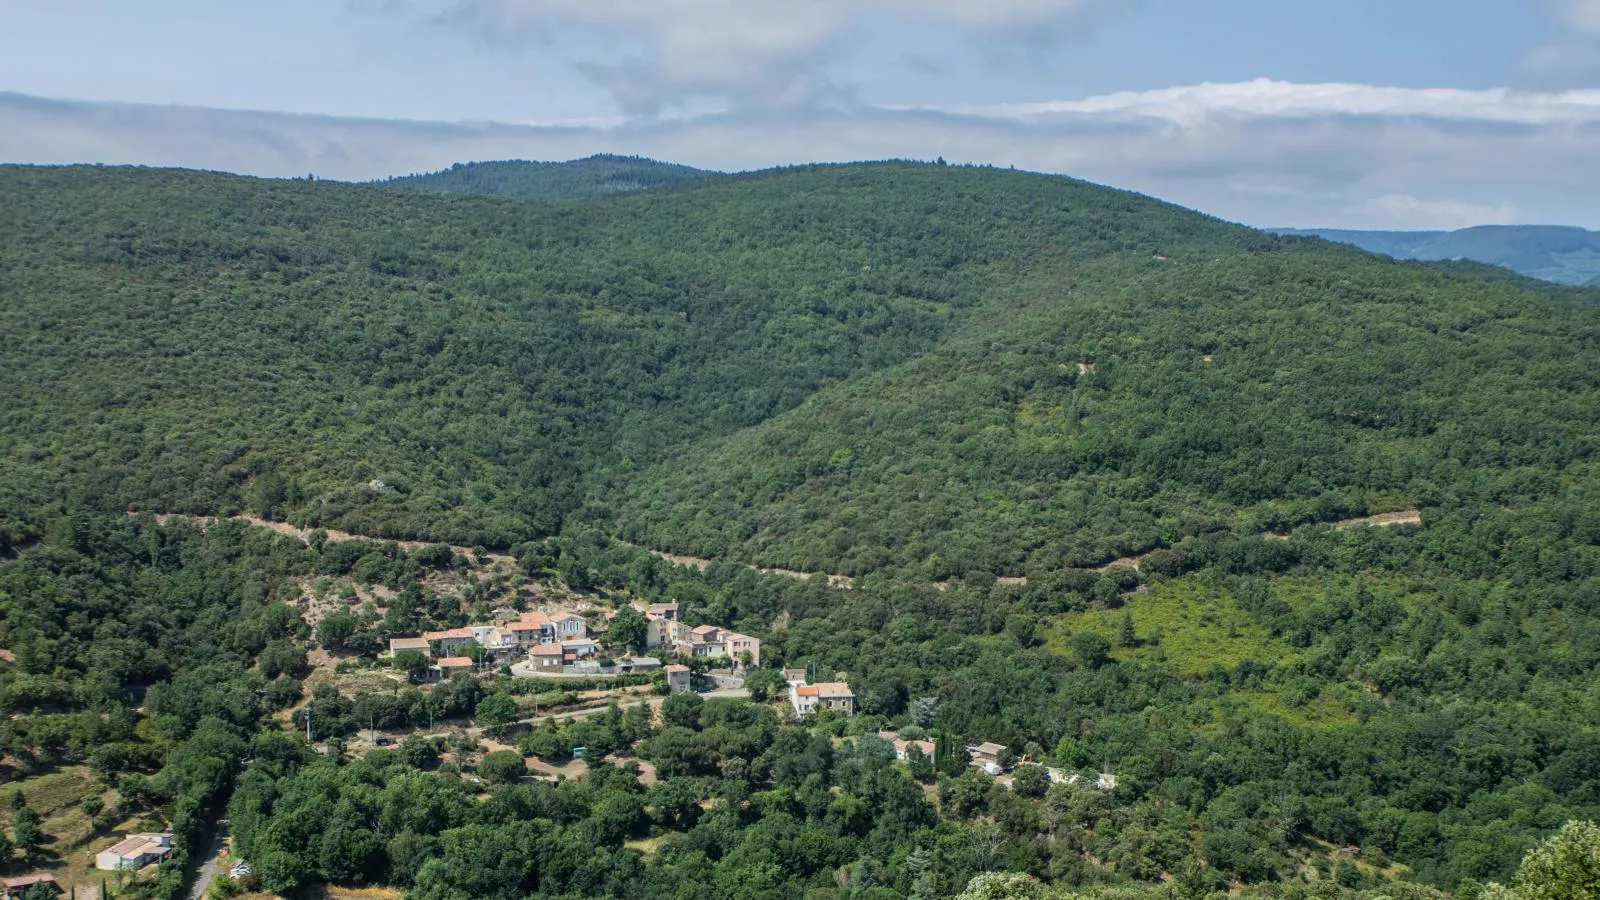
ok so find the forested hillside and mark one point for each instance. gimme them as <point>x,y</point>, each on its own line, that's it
<point>1104,470</point>
<point>1143,401</point>
<point>601,175</point>
<point>462,368</point>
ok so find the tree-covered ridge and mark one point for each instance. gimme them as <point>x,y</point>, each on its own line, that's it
<point>462,368</point>
<point>600,175</point>
<point>1147,401</point>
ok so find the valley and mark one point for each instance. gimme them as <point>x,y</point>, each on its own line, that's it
<point>1189,560</point>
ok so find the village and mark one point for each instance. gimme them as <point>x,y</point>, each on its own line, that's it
<point>565,638</point>
<point>555,641</point>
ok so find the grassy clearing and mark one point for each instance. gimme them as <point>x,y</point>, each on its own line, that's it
<point>56,796</point>
<point>1328,708</point>
<point>644,846</point>
<point>1184,625</point>
<point>51,793</point>
<point>332,892</point>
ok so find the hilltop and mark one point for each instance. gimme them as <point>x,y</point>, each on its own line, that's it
<point>601,175</point>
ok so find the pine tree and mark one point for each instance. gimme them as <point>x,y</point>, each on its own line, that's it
<point>920,864</point>
<point>25,830</point>
<point>1127,636</point>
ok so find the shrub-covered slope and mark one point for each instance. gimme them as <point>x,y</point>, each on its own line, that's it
<point>1145,400</point>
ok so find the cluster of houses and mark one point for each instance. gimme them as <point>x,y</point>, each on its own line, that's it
<point>556,641</point>
<point>667,631</point>
<point>550,640</point>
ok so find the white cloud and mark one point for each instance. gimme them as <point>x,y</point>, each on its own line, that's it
<point>736,51</point>
<point>1408,212</point>
<point>1263,98</point>
<point>1580,15</point>
<point>1574,58</point>
<point>1267,153</point>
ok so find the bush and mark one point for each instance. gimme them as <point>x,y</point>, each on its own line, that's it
<point>502,767</point>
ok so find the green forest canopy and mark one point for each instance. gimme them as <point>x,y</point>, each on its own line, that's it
<point>904,372</point>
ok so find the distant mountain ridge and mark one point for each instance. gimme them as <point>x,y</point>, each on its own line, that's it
<point>1559,253</point>
<point>600,175</point>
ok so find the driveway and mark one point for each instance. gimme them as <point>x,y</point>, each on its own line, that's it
<point>208,869</point>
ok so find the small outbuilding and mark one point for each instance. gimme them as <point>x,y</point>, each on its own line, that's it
<point>134,852</point>
<point>16,887</point>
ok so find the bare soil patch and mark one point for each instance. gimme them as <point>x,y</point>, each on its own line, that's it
<point>1381,520</point>
<point>1384,520</point>
<point>572,770</point>
<point>700,563</point>
<point>498,560</point>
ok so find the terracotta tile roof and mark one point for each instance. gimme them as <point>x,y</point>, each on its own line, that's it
<point>677,668</point>
<point>828,690</point>
<point>415,643</point>
<point>452,633</point>
<point>546,650</point>
<point>455,662</point>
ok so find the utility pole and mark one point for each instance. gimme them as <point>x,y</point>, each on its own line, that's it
<point>308,723</point>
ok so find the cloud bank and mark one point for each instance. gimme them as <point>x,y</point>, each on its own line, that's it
<point>1262,152</point>
<point>656,54</point>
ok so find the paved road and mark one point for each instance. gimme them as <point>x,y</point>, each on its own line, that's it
<point>208,869</point>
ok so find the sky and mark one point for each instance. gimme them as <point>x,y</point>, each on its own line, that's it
<point>1339,113</point>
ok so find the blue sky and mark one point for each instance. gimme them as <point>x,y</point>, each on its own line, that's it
<point>1366,113</point>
